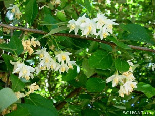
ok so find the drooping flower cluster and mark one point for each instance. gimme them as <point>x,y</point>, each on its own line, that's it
<point>49,63</point>
<point>15,10</point>
<point>99,26</point>
<point>126,81</point>
<point>28,43</point>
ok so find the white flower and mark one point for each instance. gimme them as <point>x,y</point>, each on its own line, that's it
<point>109,23</point>
<point>62,68</point>
<point>73,26</point>
<point>63,56</point>
<point>24,70</point>
<point>115,79</point>
<point>103,33</point>
<point>129,76</point>
<point>89,27</point>
<point>41,53</point>
<point>81,20</point>
<point>15,10</point>
<point>122,91</point>
<point>53,65</point>
<point>45,62</point>
<point>129,85</point>
<point>71,63</point>
<point>100,20</point>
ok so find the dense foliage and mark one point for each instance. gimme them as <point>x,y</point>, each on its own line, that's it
<point>77,57</point>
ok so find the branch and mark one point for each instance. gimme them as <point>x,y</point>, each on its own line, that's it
<point>72,35</point>
<point>72,94</point>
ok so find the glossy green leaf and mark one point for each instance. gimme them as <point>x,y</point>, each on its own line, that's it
<point>95,85</point>
<point>7,59</point>
<point>53,31</point>
<point>147,89</point>
<point>31,11</point>
<point>121,65</point>
<point>37,100</point>
<point>100,60</point>
<point>136,32</point>
<point>17,84</point>
<point>7,97</point>
<point>72,73</point>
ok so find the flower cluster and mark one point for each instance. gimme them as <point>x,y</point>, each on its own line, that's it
<point>126,81</point>
<point>49,63</point>
<point>28,43</point>
<point>99,26</point>
<point>15,10</point>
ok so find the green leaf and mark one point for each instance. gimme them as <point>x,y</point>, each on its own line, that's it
<point>120,107</point>
<point>136,33</point>
<point>132,101</point>
<point>85,96</point>
<point>86,69</point>
<point>87,5</point>
<point>147,89</point>
<point>7,97</point>
<point>95,85</point>
<point>100,60</point>
<point>53,31</point>
<point>74,108</point>
<point>70,75</point>
<point>89,112</point>
<point>37,110</point>
<point>19,112</point>
<point>121,65</point>
<point>14,46</point>
<point>7,59</point>
<point>106,47</point>
<point>17,84</point>
<point>8,2</point>
<point>31,11</point>
<point>61,16</point>
<point>16,43</point>
<point>82,79</point>
<point>93,46</point>
<point>118,43</point>
<point>37,100</point>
